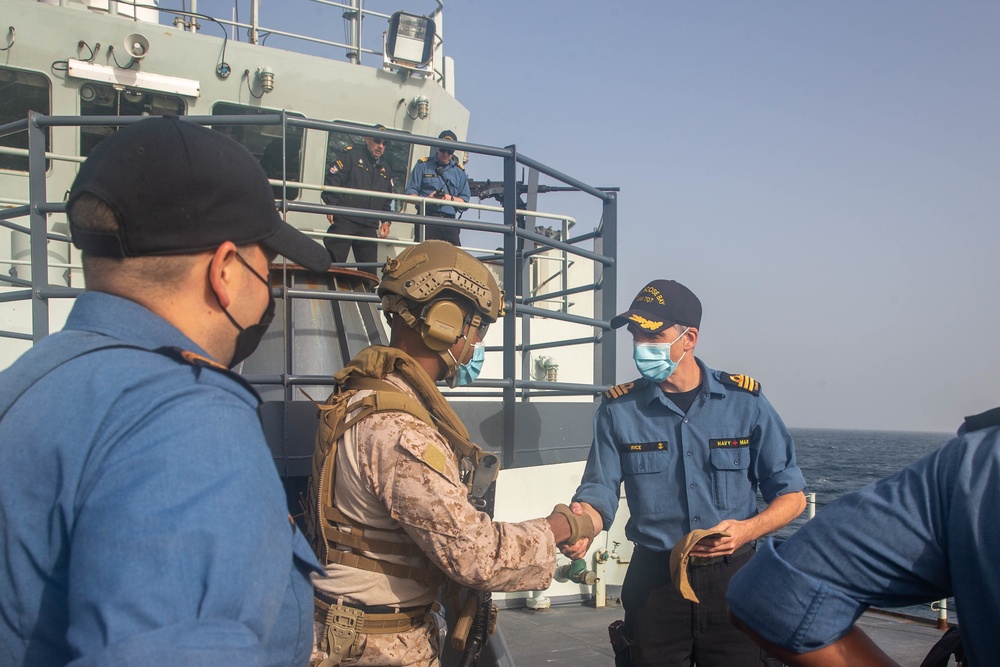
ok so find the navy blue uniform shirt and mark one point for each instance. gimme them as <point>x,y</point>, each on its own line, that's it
<point>683,472</point>
<point>923,534</point>
<point>142,520</point>
<point>425,181</point>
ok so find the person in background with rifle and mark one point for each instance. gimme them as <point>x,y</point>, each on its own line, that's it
<point>444,178</point>
<point>396,499</point>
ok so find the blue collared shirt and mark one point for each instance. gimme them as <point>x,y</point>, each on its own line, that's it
<point>142,520</point>
<point>684,472</point>
<point>425,181</point>
<point>923,534</point>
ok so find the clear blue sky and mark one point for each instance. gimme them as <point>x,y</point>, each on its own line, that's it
<point>825,176</point>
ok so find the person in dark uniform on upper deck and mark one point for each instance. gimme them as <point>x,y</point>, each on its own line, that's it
<point>693,446</point>
<point>361,168</point>
<point>440,176</point>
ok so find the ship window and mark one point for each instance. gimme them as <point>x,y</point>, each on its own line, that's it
<point>100,99</point>
<point>264,141</point>
<point>21,92</point>
<point>397,154</point>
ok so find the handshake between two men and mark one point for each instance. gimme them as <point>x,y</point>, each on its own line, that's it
<point>574,527</point>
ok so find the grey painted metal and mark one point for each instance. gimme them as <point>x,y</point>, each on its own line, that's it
<point>18,295</point>
<point>605,297</point>
<point>15,212</point>
<point>563,317</point>
<point>39,228</point>
<point>510,268</point>
<point>14,334</point>
<point>18,282</point>
<point>563,292</point>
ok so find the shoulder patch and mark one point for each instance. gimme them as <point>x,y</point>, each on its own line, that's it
<point>744,382</point>
<point>435,458</point>
<point>459,165</point>
<point>983,420</point>
<point>618,390</point>
<point>348,148</point>
<point>424,159</point>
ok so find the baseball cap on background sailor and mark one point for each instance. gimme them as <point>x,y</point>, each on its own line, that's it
<point>179,188</point>
<point>450,136</point>
<point>660,304</point>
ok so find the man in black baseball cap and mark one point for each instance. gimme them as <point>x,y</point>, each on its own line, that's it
<point>693,446</point>
<point>442,177</point>
<point>146,496</point>
<point>660,304</point>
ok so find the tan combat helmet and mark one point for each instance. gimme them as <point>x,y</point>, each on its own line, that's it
<point>430,276</point>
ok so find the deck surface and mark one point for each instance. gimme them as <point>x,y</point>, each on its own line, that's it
<point>578,635</point>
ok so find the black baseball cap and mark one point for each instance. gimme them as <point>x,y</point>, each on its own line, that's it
<point>180,188</point>
<point>661,304</point>
<point>450,136</point>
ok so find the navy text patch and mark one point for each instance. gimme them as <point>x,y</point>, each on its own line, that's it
<point>719,443</point>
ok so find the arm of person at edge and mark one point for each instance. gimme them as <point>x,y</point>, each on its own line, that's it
<point>855,649</point>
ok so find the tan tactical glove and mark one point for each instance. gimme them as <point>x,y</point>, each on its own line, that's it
<point>580,525</point>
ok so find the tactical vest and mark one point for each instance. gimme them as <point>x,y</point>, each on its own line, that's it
<point>337,415</point>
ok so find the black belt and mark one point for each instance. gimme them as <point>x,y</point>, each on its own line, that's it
<point>698,561</point>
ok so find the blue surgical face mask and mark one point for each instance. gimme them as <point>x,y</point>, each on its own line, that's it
<point>467,373</point>
<point>653,359</point>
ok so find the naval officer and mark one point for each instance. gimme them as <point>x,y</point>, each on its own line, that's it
<point>443,177</point>
<point>693,446</point>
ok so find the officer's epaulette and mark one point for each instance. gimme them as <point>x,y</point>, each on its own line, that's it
<point>618,390</point>
<point>349,148</point>
<point>983,420</point>
<point>744,382</point>
<point>424,159</point>
<point>458,164</point>
<point>194,358</point>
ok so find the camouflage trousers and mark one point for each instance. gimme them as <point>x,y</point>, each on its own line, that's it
<point>414,648</point>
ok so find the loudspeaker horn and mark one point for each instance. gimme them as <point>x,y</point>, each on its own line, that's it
<point>137,46</point>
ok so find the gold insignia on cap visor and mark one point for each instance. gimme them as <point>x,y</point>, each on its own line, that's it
<point>644,323</point>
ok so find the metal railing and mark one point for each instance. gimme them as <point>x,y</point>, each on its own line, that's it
<point>519,247</point>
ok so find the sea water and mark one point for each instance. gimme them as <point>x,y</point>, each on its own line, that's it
<point>836,462</point>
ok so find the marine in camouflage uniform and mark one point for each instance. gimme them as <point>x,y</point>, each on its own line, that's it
<point>397,486</point>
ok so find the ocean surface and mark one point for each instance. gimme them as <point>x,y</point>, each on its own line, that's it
<point>836,462</point>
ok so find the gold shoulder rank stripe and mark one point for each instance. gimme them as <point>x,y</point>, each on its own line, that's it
<point>619,390</point>
<point>744,382</point>
<point>196,359</point>
<point>423,159</point>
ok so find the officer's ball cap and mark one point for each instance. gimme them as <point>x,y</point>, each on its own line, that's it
<point>180,188</point>
<point>660,304</point>
<point>449,136</point>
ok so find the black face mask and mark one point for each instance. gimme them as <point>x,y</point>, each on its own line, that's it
<point>249,338</point>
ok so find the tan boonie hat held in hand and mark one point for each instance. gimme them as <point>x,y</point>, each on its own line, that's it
<point>680,555</point>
